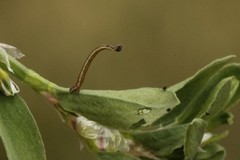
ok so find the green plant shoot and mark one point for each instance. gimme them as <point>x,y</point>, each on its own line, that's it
<point>145,123</point>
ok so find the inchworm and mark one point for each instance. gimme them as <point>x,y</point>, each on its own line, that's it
<point>82,74</point>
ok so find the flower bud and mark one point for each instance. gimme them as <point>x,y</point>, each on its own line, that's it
<point>103,138</point>
<point>7,51</point>
<point>7,86</point>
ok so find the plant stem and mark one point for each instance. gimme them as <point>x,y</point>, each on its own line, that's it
<point>28,76</point>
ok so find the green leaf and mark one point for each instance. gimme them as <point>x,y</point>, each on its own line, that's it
<point>218,100</point>
<point>215,137</point>
<point>114,156</point>
<point>231,70</point>
<point>123,110</point>
<point>162,141</point>
<point>219,97</point>
<point>196,104</point>
<point>224,84</point>
<point>194,135</point>
<point>189,91</point>
<point>211,152</point>
<point>220,119</point>
<point>19,131</point>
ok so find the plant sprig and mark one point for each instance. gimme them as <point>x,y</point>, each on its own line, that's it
<point>135,124</point>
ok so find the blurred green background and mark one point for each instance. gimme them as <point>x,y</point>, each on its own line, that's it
<point>164,42</point>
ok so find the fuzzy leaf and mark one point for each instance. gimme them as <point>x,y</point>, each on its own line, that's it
<point>124,110</point>
<point>18,130</point>
<point>220,119</point>
<point>224,84</point>
<point>115,156</point>
<point>188,92</point>
<point>212,152</point>
<point>218,102</point>
<point>162,141</point>
<point>230,72</point>
<point>219,97</point>
<point>194,135</point>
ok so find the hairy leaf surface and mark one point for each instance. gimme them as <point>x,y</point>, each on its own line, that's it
<point>18,130</point>
<point>124,110</point>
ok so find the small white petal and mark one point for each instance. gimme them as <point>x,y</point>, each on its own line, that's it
<point>12,51</point>
<point>14,87</point>
<point>206,137</point>
<point>81,143</point>
<point>7,86</point>
<point>9,50</point>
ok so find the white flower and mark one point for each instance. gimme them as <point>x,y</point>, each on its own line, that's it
<point>104,138</point>
<point>7,86</point>
<point>7,50</point>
